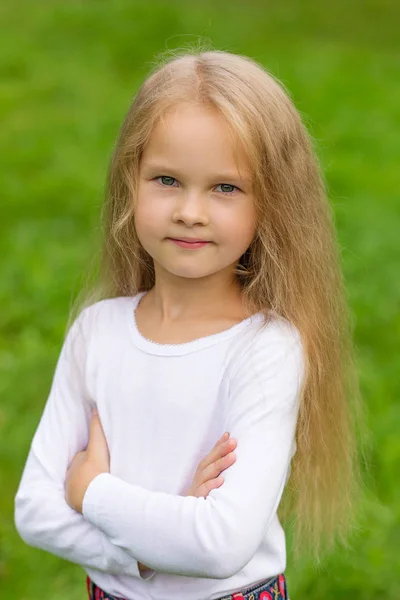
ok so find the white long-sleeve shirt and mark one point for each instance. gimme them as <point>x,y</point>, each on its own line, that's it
<point>163,407</point>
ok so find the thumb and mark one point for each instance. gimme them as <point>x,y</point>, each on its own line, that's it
<point>97,442</point>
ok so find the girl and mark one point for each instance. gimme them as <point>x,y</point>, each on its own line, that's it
<point>221,309</point>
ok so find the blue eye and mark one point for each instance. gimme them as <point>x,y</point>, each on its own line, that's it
<point>166,177</point>
<point>167,181</point>
<point>229,186</point>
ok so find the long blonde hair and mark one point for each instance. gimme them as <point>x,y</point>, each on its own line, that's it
<point>292,267</point>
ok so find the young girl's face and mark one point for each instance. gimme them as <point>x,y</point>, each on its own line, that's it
<point>191,187</point>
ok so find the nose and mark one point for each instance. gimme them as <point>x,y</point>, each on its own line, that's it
<point>191,209</point>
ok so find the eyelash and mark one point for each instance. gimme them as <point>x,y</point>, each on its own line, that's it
<point>225,193</point>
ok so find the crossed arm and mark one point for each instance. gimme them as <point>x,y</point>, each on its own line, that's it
<point>114,523</point>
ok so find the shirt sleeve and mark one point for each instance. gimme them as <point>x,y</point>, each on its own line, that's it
<point>215,537</point>
<point>42,515</point>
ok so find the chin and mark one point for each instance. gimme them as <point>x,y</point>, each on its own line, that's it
<point>188,274</point>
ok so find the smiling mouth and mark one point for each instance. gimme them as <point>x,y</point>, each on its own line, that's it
<point>188,245</point>
<point>189,241</point>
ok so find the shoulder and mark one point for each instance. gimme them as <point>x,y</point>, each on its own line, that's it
<point>269,346</point>
<point>276,333</point>
<point>263,334</point>
<point>100,316</point>
<point>108,308</point>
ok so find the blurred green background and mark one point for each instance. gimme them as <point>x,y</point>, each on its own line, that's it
<point>68,73</point>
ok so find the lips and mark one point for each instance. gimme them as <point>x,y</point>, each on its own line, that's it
<point>189,240</point>
<point>190,245</point>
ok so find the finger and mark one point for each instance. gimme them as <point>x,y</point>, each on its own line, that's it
<point>221,440</point>
<point>222,448</point>
<point>219,451</point>
<point>96,432</point>
<point>212,454</point>
<point>97,441</point>
<point>214,469</point>
<point>210,485</point>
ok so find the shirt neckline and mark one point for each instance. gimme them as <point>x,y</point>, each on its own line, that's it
<point>151,347</point>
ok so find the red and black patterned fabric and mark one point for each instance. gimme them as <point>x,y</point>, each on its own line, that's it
<point>273,588</point>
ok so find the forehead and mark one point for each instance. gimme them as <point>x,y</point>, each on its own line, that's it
<point>195,133</point>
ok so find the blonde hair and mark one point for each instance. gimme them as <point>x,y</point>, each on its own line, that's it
<point>292,267</point>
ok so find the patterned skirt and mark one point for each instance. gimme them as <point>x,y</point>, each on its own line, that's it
<point>273,588</point>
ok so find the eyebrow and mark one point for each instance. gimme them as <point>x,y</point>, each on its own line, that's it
<point>221,177</point>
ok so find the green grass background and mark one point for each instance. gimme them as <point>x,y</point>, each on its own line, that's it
<point>68,73</point>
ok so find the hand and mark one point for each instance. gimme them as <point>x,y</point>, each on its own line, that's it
<point>86,465</point>
<point>208,475</point>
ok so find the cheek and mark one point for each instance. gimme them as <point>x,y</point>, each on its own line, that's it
<point>147,214</point>
<point>241,225</point>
